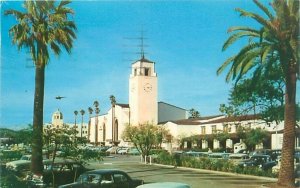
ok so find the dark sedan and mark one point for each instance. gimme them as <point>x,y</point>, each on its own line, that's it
<point>104,178</point>
<point>57,173</point>
<point>262,161</point>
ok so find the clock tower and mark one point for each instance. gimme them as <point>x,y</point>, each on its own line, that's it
<point>143,92</point>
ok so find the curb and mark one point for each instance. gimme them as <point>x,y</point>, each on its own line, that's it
<point>219,172</point>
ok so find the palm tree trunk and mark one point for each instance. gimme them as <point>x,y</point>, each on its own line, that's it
<point>89,129</point>
<point>37,137</point>
<point>286,176</point>
<point>96,130</point>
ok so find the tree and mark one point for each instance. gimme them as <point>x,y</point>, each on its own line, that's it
<point>82,112</point>
<point>57,138</point>
<point>75,113</point>
<point>64,139</point>
<point>24,135</point>
<point>264,97</point>
<point>273,44</point>
<point>193,113</point>
<point>252,137</point>
<point>144,136</point>
<point>43,27</point>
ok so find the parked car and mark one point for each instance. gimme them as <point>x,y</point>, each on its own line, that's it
<point>112,150</point>
<point>123,151</point>
<point>133,151</point>
<point>238,157</point>
<point>60,172</point>
<point>14,165</point>
<point>218,155</point>
<point>165,185</point>
<point>276,168</point>
<point>195,154</point>
<point>261,152</point>
<point>104,178</point>
<point>22,166</point>
<point>262,161</point>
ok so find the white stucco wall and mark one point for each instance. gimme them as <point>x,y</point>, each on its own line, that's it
<point>122,117</point>
<point>167,112</point>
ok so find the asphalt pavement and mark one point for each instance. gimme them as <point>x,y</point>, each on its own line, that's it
<point>196,178</point>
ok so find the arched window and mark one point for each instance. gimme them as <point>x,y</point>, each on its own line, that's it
<point>116,130</point>
<point>104,132</point>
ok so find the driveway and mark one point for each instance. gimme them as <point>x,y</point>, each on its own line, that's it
<point>194,177</point>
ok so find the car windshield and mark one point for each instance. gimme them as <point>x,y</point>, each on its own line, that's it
<point>27,158</point>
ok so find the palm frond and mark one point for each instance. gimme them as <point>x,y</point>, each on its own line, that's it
<point>224,65</point>
<point>242,28</point>
<point>55,48</point>
<point>237,36</point>
<point>258,18</point>
<point>262,7</point>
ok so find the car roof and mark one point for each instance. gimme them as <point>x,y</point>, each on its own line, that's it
<point>104,171</point>
<point>238,155</point>
<point>260,155</point>
<point>164,185</point>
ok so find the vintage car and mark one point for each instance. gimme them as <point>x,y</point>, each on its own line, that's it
<point>62,171</point>
<point>104,178</point>
<point>238,157</point>
<point>18,165</point>
<point>262,161</point>
<point>165,185</point>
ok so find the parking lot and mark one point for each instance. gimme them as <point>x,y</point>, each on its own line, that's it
<point>194,177</point>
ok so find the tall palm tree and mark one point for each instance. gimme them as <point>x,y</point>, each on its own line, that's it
<point>82,112</point>
<point>97,111</point>
<point>75,113</point>
<point>43,27</point>
<point>113,104</point>
<point>90,109</point>
<point>273,44</point>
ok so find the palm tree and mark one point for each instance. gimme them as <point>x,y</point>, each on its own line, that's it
<point>273,44</point>
<point>43,27</point>
<point>113,104</point>
<point>97,111</point>
<point>82,112</point>
<point>75,113</point>
<point>90,109</point>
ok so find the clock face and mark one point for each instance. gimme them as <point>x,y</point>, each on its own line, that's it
<point>147,87</point>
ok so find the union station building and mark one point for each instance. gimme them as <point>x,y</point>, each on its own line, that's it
<point>143,107</point>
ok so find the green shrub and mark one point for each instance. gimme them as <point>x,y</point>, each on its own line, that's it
<point>8,155</point>
<point>212,164</point>
<point>9,180</point>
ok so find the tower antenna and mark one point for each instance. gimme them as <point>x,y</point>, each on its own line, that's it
<point>142,43</point>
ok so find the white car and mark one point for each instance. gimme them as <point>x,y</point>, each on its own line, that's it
<point>123,151</point>
<point>17,165</point>
<point>164,185</point>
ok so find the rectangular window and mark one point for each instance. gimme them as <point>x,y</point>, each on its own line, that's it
<point>213,128</point>
<point>225,128</point>
<point>203,130</point>
<point>135,72</point>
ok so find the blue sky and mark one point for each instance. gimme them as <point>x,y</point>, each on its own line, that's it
<point>183,38</point>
